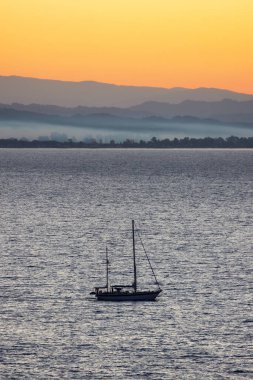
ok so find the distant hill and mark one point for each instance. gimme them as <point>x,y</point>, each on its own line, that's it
<point>228,111</point>
<point>107,120</point>
<point>93,94</point>
<point>101,124</point>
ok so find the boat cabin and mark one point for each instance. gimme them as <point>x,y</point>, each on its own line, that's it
<point>117,289</point>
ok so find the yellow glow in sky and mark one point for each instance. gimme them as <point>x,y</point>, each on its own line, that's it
<point>183,43</point>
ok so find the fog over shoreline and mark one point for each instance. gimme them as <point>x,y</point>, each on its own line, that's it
<point>31,130</point>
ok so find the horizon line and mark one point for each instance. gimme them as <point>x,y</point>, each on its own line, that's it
<point>125,85</point>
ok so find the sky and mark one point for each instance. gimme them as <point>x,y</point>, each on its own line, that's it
<point>161,43</point>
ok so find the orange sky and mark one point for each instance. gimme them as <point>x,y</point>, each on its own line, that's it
<point>189,43</point>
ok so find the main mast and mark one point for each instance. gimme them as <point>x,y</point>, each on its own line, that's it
<point>107,270</point>
<point>135,276</point>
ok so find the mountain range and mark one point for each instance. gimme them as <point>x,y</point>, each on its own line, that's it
<point>225,111</point>
<point>86,108</point>
<point>94,94</point>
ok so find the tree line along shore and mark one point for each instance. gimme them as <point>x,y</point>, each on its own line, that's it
<point>186,142</point>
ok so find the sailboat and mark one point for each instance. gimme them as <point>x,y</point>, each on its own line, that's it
<point>131,292</point>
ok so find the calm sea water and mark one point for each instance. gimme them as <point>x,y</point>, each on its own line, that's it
<point>60,208</point>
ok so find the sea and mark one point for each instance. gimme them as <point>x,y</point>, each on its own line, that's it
<point>61,208</point>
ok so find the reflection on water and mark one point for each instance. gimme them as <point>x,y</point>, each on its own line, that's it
<point>59,208</point>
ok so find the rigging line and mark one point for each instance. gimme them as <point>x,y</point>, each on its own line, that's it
<point>156,281</point>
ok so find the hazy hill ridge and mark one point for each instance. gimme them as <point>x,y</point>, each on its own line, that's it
<point>94,94</point>
<point>228,111</point>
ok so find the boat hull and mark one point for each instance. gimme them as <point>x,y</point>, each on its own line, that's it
<point>124,297</point>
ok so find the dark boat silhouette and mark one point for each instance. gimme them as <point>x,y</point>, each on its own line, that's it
<point>120,293</point>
